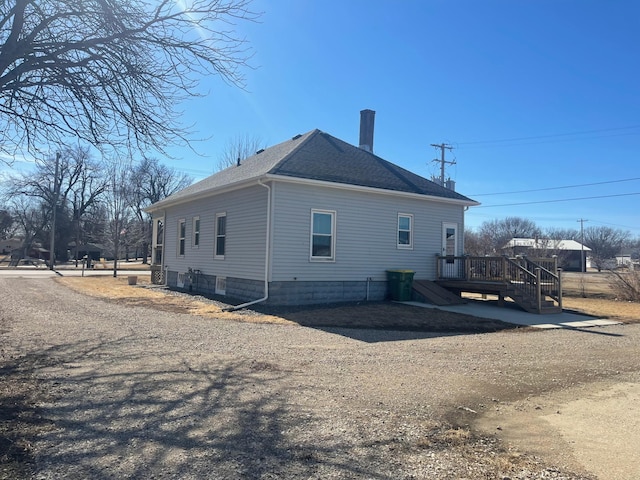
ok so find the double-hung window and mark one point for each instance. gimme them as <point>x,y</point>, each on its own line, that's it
<point>221,235</point>
<point>182,233</point>
<point>405,230</point>
<point>196,232</point>
<point>323,235</point>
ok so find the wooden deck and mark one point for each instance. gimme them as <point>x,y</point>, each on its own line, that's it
<point>534,284</point>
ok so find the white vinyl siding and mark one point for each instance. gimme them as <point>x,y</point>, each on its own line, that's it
<point>366,234</point>
<point>367,243</point>
<point>405,231</point>
<point>245,235</point>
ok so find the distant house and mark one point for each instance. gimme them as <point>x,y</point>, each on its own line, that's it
<point>89,250</point>
<point>10,244</point>
<point>569,252</point>
<point>310,220</point>
<point>623,259</point>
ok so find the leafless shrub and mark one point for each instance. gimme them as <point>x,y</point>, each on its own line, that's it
<point>626,284</point>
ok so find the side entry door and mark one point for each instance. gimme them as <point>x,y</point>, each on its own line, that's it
<point>450,265</point>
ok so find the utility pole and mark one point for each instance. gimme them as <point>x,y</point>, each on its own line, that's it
<point>582,266</point>
<point>52,241</point>
<point>442,161</point>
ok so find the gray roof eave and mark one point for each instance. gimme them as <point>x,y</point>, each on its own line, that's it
<point>162,204</point>
<point>169,202</point>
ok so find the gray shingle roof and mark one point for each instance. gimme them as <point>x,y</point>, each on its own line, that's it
<point>318,156</point>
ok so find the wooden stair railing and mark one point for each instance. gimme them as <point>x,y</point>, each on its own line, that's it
<point>531,285</point>
<point>550,282</point>
<point>526,287</point>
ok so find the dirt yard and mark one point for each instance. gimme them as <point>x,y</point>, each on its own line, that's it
<point>410,398</point>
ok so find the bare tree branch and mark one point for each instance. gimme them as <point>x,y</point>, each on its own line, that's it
<point>238,148</point>
<point>110,72</point>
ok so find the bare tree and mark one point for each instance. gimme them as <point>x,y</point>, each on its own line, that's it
<point>605,243</point>
<point>239,148</point>
<point>86,193</point>
<point>496,233</point>
<point>32,217</point>
<point>478,244</point>
<point>7,224</point>
<point>118,206</point>
<point>151,181</point>
<point>72,187</point>
<point>110,72</point>
<point>562,234</point>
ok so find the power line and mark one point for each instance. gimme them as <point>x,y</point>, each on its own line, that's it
<point>614,225</point>
<point>556,135</point>
<point>552,219</point>
<point>556,188</point>
<point>558,200</point>
<point>544,142</point>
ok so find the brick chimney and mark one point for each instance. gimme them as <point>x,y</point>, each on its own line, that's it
<point>367,118</point>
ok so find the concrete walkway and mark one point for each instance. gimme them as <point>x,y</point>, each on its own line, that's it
<point>27,272</point>
<point>512,314</point>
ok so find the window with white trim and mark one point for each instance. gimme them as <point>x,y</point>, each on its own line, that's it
<point>182,233</point>
<point>323,237</point>
<point>405,230</point>
<point>196,232</point>
<point>220,235</point>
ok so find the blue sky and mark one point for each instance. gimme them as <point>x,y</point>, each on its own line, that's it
<point>532,95</point>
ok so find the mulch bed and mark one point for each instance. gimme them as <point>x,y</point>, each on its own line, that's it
<point>386,316</point>
<point>383,315</point>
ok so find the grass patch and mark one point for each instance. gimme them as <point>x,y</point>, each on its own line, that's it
<point>119,290</point>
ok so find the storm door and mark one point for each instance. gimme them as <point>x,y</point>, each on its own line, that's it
<point>450,264</point>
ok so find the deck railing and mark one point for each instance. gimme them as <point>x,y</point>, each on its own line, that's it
<point>550,282</point>
<point>536,278</point>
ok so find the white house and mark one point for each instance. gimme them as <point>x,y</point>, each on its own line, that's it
<point>572,255</point>
<point>310,220</point>
<point>10,244</point>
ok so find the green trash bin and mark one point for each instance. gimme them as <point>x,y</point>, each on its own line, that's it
<point>400,284</point>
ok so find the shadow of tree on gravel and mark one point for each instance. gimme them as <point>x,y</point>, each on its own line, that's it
<point>150,414</point>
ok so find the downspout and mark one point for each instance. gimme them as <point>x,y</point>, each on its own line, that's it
<point>267,258</point>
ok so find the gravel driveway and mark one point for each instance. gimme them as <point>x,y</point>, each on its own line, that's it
<point>130,392</point>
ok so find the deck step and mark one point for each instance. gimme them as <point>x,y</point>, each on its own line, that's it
<point>530,305</point>
<point>436,294</point>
